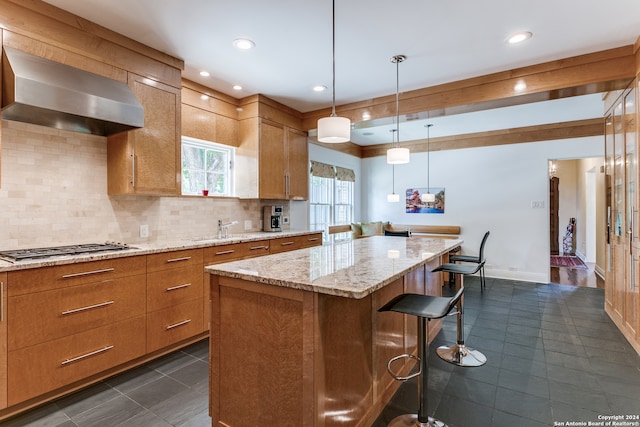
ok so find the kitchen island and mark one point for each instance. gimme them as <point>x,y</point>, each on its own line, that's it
<point>296,340</point>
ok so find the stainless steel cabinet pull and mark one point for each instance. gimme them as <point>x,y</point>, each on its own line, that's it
<point>1,301</point>
<point>84,356</point>
<point>173,288</point>
<point>186,258</point>
<point>313,239</point>
<point>89,307</point>
<point>133,169</point>
<point>253,248</point>
<point>175,325</point>
<point>286,243</point>
<point>225,252</point>
<point>86,273</point>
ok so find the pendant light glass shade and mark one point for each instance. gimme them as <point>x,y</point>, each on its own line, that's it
<point>428,197</point>
<point>398,156</point>
<point>393,198</point>
<point>334,129</point>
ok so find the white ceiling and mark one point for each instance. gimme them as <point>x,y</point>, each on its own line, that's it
<point>444,41</point>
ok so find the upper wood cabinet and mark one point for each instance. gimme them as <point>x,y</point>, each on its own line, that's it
<point>147,160</point>
<point>284,160</point>
<point>3,340</point>
<point>208,114</point>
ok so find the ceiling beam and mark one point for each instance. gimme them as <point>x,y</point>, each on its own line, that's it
<point>591,73</point>
<point>554,131</point>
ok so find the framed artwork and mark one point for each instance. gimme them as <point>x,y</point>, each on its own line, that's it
<point>414,203</point>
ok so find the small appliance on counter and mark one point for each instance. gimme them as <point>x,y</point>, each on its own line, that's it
<point>272,218</point>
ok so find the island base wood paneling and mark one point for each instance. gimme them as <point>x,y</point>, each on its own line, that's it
<point>288,357</point>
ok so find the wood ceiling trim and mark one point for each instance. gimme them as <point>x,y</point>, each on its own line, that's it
<point>555,131</point>
<point>614,65</point>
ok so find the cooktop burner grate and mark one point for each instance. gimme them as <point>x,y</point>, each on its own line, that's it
<point>24,254</point>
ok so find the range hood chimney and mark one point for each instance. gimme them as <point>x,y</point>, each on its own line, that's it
<point>43,92</point>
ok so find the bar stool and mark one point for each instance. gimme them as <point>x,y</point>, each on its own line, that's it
<point>425,308</point>
<point>459,354</point>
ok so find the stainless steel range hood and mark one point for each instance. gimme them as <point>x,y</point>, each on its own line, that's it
<point>43,92</point>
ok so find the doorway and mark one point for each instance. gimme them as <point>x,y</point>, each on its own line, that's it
<point>576,194</point>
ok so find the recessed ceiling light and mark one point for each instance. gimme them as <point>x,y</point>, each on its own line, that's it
<point>237,87</point>
<point>204,97</point>
<point>204,73</point>
<point>243,44</point>
<point>519,37</point>
<point>319,88</point>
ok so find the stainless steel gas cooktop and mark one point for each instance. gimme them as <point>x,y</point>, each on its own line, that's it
<point>25,254</point>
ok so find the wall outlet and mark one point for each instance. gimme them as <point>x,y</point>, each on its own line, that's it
<point>285,220</point>
<point>537,204</point>
<point>144,230</point>
<point>247,224</point>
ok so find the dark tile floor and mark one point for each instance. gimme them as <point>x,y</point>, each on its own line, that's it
<point>553,356</point>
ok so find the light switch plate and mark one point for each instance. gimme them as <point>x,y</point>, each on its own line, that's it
<point>144,230</point>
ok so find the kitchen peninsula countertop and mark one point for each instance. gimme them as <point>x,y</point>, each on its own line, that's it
<point>354,268</point>
<point>150,248</point>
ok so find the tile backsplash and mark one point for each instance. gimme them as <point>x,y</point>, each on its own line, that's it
<point>54,192</point>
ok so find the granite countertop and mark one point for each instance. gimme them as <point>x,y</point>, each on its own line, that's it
<point>354,268</point>
<point>150,248</point>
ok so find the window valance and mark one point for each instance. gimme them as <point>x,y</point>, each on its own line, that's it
<point>322,170</point>
<point>344,174</point>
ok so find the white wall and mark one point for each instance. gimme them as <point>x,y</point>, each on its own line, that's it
<point>488,188</point>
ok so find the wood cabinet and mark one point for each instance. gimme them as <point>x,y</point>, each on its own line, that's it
<point>292,243</point>
<point>69,322</point>
<point>284,162</point>
<point>175,297</point>
<point>3,340</point>
<point>147,160</point>
<point>622,301</point>
<point>209,126</point>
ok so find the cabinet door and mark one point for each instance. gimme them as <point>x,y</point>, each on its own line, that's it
<point>3,340</point>
<point>298,163</point>
<point>147,160</point>
<point>273,161</point>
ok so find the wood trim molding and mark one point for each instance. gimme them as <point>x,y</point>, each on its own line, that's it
<point>614,67</point>
<point>565,130</point>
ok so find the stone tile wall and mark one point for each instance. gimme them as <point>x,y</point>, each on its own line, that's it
<point>54,192</point>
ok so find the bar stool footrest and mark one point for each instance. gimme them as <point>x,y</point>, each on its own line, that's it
<point>403,356</point>
<point>461,355</point>
<point>411,420</point>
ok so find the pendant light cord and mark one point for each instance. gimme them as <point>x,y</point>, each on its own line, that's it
<point>398,100</point>
<point>428,156</point>
<point>333,54</point>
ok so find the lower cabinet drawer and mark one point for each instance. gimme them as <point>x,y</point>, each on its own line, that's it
<point>45,367</point>
<point>174,324</point>
<point>170,287</point>
<point>68,311</point>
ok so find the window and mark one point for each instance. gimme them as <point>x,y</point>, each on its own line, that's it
<point>331,197</point>
<point>206,166</point>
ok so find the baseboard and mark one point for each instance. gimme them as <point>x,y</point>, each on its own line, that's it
<point>524,276</point>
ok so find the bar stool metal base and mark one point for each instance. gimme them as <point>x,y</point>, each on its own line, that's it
<point>411,420</point>
<point>461,355</point>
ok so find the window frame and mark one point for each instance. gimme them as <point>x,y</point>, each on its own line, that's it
<point>229,170</point>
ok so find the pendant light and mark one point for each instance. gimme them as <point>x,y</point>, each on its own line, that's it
<point>397,155</point>
<point>428,197</point>
<point>334,129</point>
<point>393,197</point>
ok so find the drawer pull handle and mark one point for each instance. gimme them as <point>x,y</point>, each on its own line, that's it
<point>287,243</point>
<point>86,273</point>
<point>225,252</point>
<point>175,325</point>
<point>89,307</point>
<point>84,356</point>
<point>253,248</point>
<point>313,239</point>
<point>186,258</point>
<point>1,301</point>
<point>173,288</point>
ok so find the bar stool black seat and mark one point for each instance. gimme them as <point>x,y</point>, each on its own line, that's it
<point>459,354</point>
<point>425,308</point>
<point>479,259</point>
